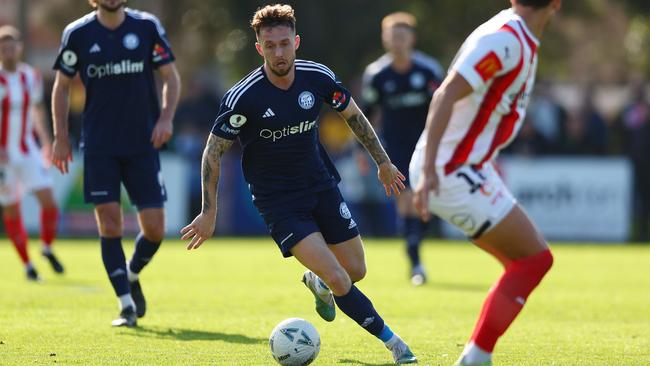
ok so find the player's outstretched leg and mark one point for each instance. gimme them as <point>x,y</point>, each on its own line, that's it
<point>49,225</point>
<point>314,254</point>
<point>526,258</point>
<point>147,244</point>
<point>18,236</point>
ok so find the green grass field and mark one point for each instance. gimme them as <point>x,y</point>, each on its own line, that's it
<point>217,306</point>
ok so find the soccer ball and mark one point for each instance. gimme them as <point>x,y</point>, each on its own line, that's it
<point>294,342</point>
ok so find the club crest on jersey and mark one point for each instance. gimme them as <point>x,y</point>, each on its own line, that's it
<point>306,100</point>
<point>344,211</point>
<point>417,80</point>
<point>131,41</point>
<point>338,99</point>
<point>237,120</point>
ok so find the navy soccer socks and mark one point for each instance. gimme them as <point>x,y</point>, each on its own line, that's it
<point>358,307</point>
<point>115,264</point>
<point>414,230</point>
<point>144,251</point>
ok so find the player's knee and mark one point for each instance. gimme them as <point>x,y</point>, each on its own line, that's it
<point>155,233</point>
<point>110,227</point>
<point>338,281</point>
<point>358,272</point>
<point>536,266</point>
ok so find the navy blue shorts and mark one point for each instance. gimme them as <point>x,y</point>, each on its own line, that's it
<point>324,212</point>
<point>140,175</point>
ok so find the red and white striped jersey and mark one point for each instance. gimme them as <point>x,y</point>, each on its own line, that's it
<point>499,61</point>
<point>19,91</point>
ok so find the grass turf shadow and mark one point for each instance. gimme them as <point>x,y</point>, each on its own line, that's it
<point>357,362</point>
<point>194,335</point>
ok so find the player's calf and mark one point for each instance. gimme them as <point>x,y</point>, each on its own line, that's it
<point>503,303</point>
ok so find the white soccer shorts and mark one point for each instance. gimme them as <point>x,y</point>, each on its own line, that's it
<point>472,199</point>
<point>29,174</point>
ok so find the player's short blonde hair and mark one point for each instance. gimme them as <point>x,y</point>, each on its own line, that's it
<point>399,19</point>
<point>273,16</point>
<point>9,32</point>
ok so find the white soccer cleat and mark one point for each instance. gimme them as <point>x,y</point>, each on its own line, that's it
<point>324,299</point>
<point>402,353</point>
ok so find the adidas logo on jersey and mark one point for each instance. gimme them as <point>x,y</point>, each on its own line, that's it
<point>95,48</point>
<point>268,113</point>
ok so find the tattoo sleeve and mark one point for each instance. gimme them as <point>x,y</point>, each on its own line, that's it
<point>210,170</point>
<point>366,135</point>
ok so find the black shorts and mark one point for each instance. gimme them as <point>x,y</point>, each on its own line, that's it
<point>140,175</point>
<point>325,212</point>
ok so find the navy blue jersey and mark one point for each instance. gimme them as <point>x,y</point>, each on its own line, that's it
<point>278,130</point>
<point>403,98</point>
<point>116,67</point>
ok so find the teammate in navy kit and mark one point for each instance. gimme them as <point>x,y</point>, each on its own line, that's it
<point>274,113</point>
<point>115,51</point>
<point>400,85</point>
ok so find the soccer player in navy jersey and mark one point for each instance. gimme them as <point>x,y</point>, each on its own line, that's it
<point>274,113</point>
<point>115,51</point>
<point>400,85</point>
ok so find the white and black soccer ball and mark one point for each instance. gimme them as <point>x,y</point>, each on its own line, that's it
<point>294,342</point>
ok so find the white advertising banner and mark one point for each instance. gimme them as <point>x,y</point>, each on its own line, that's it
<point>175,174</point>
<point>581,199</point>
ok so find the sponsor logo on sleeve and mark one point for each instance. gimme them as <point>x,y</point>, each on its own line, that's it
<point>237,120</point>
<point>69,58</point>
<point>228,130</point>
<point>488,66</point>
<point>159,53</point>
<point>338,99</point>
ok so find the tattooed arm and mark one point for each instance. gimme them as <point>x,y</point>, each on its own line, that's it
<point>202,227</point>
<point>364,132</point>
<point>388,174</point>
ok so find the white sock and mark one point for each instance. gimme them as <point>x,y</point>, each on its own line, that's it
<point>126,301</point>
<point>28,266</point>
<point>46,249</point>
<point>475,354</point>
<point>132,276</point>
